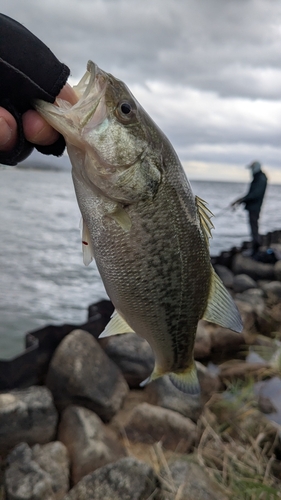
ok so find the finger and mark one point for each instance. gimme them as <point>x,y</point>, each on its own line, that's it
<point>68,94</point>
<point>37,130</point>
<point>8,130</point>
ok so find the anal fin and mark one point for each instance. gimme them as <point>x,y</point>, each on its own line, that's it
<point>221,308</point>
<point>116,326</point>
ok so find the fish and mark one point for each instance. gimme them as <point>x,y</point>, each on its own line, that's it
<point>147,231</point>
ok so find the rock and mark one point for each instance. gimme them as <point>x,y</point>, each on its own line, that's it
<point>225,274</point>
<point>89,442</point>
<point>132,354</point>
<point>248,317</point>
<point>81,373</point>
<point>253,296</point>
<point>149,424</point>
<point>225,341</point>
<point>265,320</point>
<point>26,415</point>
<point>242,282</point>
<point>162,392</point>
<point>54,460</point>
<point>209,382</point>
<point>202,346</point>
<point>188,481</point>
<point>277,270</point>
<point>254,269</point>
<point>127,479</point>
<point>272,291</point>
<point>24,478</point>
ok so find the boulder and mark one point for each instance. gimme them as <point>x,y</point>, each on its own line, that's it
<point>127,479</point>
<point>133,356</point>
<point>225,274</point>
<point>253,296</point>
<point>209,382</point>
<point>272,291</point>
<point>24,478</point>
<point>225,341</point>
<point>150,424</point>
<point>81,373</point>
<point>242,282</point>
<point>254,269</point>
<point>248,317</point>
<point>53,458</point>
<point>26,415</point>
<point>188,481</point>
<point>202,345</point>
<point>89,442</point>
<point>277,270</point>
<point>162,392</point>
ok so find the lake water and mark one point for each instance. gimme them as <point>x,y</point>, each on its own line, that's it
<point>42,276</point>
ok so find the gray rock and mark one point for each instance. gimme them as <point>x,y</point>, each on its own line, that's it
<point>24,478</point>
<point>209,382</point>
<point>149,424</point>
<point>225,274</point>
<point>81,373</point>
<point>242,282</point>
<point>132,354</point>
<point>272,291</point>
<point>127,479</point>
<point>226,341</point>
<point>89,442</point>
<point>188,481</point>
<point>162,392</point>
<point>248,316</point>
<point>54,460</point>
<point>277,270</point>
<point>26,415</point>
<point>253,296</point>
<point>202,346</point>
<point>254,269</point>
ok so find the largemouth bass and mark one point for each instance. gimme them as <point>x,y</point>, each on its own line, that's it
<point>147,232</point>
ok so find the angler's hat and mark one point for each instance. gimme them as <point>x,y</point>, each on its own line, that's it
<point>254,166</point>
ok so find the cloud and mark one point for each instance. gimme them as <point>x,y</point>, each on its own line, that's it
<point>208,72</point>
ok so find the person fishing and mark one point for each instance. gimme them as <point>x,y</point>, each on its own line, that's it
<point>253,201</point>
<point>29,70</point>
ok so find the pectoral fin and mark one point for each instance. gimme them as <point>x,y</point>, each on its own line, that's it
<point>221,309</point>
<point>87,247</point>
<point>122,218</point>
<point>116,326</point>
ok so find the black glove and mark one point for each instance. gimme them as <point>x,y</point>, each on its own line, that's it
<point>28,71</point>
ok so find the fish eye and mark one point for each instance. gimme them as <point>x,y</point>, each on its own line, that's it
<point>125,111</point>
<point>126,108</point>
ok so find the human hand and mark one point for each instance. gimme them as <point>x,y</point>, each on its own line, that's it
<point>36,129</point>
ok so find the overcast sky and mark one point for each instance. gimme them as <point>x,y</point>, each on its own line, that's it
<point>207,71</point>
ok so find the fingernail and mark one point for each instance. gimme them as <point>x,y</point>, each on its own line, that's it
<point>5,132</point>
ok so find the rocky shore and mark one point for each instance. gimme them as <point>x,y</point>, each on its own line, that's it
<point>86,431</point>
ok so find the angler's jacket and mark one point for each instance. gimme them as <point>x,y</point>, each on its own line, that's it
<point>28,71</point>
<point>254,198</point>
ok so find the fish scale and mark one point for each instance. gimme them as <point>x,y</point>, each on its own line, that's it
<point>141,222</point>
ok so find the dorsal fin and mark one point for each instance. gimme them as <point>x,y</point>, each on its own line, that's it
<point>87,247</point>
<point>205,218</point>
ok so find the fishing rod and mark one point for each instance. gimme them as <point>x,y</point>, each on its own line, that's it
<point>223,210</point>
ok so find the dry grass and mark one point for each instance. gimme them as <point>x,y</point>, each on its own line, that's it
<point>236,449</point>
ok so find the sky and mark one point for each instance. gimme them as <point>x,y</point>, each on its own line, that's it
<point>207,71</point>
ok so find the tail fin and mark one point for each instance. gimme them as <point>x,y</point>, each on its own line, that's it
<point>186,381</point>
